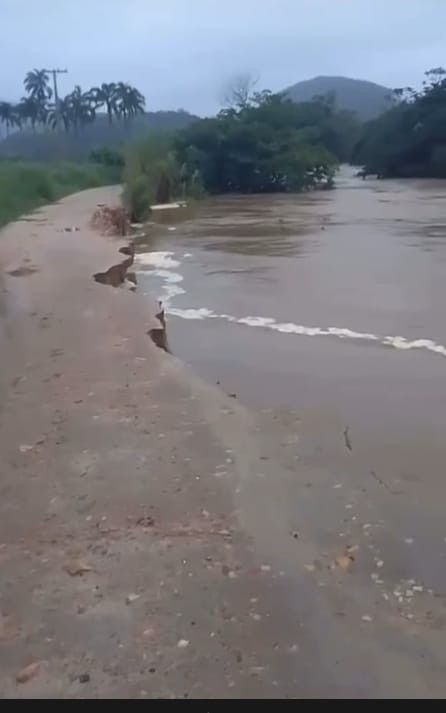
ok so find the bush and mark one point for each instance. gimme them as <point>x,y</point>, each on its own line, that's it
<point>137,198</point>
<point>151,175</point>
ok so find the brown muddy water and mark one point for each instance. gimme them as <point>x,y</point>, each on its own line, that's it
<point>353,282</point>
<point>332,305</point>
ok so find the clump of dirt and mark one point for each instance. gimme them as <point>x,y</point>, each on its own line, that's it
<point>158,335</point>
<point>117,274</point>
<point>23,271</point>
<point>106,219</point>
<point>110,220</point>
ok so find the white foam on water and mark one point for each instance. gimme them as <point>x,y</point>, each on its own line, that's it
<point>169,277</point>
<point>171,291</point>
<point>302,330</point>
<point>201,313</point>
<point>162,261</point>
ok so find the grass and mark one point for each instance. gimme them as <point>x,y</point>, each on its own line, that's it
<point>25,185</point>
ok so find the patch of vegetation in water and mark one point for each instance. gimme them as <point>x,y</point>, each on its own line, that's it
<point>262,143</point>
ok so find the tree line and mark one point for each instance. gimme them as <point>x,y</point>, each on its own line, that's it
<point>261,142</point>
<point>409,140</point>
<point>39,107</point>
<point>265,142</point>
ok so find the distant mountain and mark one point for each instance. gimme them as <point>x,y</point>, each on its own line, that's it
<point>46,144</point>
<point>366,99</point>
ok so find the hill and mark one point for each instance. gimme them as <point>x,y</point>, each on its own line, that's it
<point>47,144</point>
<point>366,99</point>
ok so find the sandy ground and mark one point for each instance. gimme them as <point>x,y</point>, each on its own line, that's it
<point>144,548</point>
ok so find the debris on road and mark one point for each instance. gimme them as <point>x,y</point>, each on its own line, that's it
<point>130,598</point>
<point>77,567</point>
<point>29,672</point>
<point>345,561</point>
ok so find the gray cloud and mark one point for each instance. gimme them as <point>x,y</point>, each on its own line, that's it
<point>183,52</point>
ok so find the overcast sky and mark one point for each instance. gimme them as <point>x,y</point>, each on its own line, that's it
<point>182,53</point>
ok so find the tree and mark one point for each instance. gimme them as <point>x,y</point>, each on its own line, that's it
<point>240,91</point>
<point>410,138</point>
<point>105,96</point>
<point>37,85</point>
<point>75,110</point>
<point>129,101</point>
<point>81,110</point>
<point>9,116</point>
<point>268,145</point>
<point>31,110</point>
<point>63,114</point>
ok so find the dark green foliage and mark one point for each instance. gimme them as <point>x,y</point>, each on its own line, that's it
<point>270,144</point>
<point>366,99</point>
<point>265,144</point>
<point>410,139</point>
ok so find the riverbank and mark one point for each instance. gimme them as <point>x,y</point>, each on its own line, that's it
<point>148,547</point>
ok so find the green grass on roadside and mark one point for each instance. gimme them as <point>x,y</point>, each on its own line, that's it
<point>26,185</point>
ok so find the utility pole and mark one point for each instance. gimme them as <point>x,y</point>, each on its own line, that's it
<point>55,72</point>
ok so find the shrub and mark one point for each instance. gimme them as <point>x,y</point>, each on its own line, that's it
<point>137,197</point>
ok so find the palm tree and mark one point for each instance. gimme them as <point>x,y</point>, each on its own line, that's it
<point>8,116</point>
<point>129,101</point>
<point>30,109</point>
<point>105,95</point>
<point>36,85</point>
<point>76,109</point>
<point>39,92</point>
<point>81,109</point>
<point>63,113</point>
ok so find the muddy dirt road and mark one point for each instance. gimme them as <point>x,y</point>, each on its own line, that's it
<point>147,543</point>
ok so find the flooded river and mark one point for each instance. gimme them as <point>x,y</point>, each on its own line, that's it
<point>332,303</point>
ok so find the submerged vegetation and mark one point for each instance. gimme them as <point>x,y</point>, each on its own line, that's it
<point>268,145</point>
<point>151,174</point>
<point>262,143</point>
